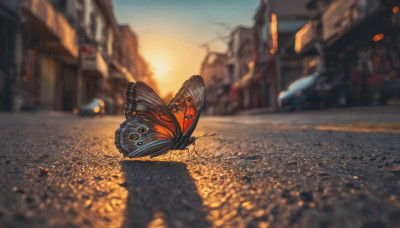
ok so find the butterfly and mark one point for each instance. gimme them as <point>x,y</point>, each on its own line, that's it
<point>151,127</point>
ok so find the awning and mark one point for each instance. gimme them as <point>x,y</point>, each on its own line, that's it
<point>120,72</point>
<point>371,20</point>
<point>50,20</point>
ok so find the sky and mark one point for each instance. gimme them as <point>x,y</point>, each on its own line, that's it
<point>171,32</point>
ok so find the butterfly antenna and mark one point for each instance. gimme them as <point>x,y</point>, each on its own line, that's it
<point>194,149</point>
<point>208,135</point>
<point>194,143</point>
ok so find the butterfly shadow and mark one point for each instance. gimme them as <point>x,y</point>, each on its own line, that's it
<point>162,193</point>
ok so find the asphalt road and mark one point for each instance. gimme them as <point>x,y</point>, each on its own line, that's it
<point>328,168</point>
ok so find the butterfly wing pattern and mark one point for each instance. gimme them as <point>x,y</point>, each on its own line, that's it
<point>188,103</point>
<point>151,127</point>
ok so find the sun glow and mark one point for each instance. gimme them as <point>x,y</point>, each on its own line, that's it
<point>159,66</point>
<point>172,61</point>
<point>160,69</point>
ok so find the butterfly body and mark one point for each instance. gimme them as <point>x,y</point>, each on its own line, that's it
<point>152,128</point>
<point>185,142</point>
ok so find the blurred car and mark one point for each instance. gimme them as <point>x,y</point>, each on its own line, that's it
<point>92,108</point>
<point>299,94</point>
<point>314,91</point>
<point>332,90</point>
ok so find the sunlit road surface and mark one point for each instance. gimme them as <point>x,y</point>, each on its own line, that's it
<point>328,168</point>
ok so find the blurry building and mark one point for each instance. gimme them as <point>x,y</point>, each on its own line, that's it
<point>110,57</point>
<point>10,46</point>
<point>120,71</point>
<point>145,73</point>
<point>240,52</point>
<point>309,42</point>
<point>129,50</point>
<point>127,65</point>
<point>96,42</point>
<point>49,61</point>
<point>356,40</point>
<point>276,63</point>
<point>215,73</point>
<point>133,60</point>
<point>59,54</point>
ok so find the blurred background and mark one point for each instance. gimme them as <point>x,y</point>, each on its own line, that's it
<point>78,55</point>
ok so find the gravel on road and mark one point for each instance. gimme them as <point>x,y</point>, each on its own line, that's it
<point>269,170</point>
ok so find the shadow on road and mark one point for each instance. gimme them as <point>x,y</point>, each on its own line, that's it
<point>162,193</point>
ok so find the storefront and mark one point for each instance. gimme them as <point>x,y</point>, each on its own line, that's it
<point>94,73</point>
<point>364,48</point>
<point>9,30</point>
<point>263,85</point>
<point>49,58</point>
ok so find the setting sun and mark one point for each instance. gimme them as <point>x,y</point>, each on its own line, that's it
<point>159,66</point>
<point>171,67</point>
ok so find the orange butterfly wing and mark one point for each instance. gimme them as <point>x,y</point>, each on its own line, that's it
<point>187,104</point>
<point>150,127</point>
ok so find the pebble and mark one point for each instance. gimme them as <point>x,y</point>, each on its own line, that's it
<point>18,190</point>
<point>218,154</point>
<point>215,205</point>
<point>277,191</point>
<point>306,196</point>
<point>43,171</point>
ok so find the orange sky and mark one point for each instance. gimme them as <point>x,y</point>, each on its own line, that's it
<point>171,32</point>
<point>172,58</point>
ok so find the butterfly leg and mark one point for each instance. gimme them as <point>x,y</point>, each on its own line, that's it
<point>169,155</point>
<point>194,149</point>
<point>187,153</point>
